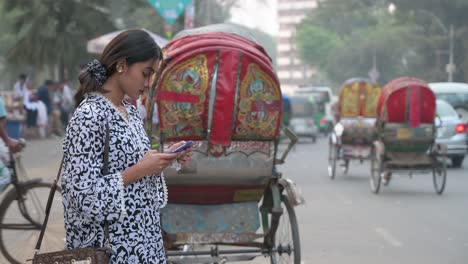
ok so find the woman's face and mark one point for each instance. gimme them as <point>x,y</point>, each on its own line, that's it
<point>136,78</point>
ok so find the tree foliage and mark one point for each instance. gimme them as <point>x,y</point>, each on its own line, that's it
<point>316,44</point>
<point>411,41</point>
<point>51,32</point>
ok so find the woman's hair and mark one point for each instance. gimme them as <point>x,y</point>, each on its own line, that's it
<point>133,45</point>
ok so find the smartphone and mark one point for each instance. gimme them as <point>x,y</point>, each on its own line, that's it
<point>187,145</point>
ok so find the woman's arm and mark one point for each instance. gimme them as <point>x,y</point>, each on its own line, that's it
<point>96,196</point>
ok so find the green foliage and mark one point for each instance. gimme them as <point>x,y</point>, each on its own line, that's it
<point>340,38</point>
<point>316,44</point>
<point>51,33</point>
<point>42,35</point>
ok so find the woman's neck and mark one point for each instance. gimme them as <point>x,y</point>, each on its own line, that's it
<point>115,94</point>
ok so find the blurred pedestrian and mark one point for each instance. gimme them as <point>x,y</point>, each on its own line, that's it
<point>56,126</point>
<point>67,102</point>
<point>129,197</point>
<point>30,105</point>
<point>11,144</point>
<point>43,94</point>
<point>42,119</point>
<point>20,88</point>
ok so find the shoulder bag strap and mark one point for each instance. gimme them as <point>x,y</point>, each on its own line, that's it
<point>54,188</point>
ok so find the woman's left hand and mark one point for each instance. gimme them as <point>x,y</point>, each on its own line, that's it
<point>185,157</point>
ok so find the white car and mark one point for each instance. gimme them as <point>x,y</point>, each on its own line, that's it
<point>451,131</point>
<point>456,94</point>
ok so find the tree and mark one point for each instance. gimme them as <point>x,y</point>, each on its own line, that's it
<point>434,17</point>
<point>315,44</point>
<point>364,30</point>
<point>52,33</point>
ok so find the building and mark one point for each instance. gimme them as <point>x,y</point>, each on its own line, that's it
<point>291,71</point>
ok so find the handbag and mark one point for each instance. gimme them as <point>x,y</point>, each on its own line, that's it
<point>80,255</point>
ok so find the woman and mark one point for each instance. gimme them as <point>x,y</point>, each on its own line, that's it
<point>130,196</point>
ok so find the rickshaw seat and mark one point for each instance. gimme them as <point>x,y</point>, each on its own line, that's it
<point>240,174</point>
<point>358,130</point>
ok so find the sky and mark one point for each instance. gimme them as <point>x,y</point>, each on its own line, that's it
<point>257,14</point>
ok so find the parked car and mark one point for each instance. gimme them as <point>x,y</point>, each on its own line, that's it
<point>451,131</point>
<point>456,94</point>
<point>302,121</point>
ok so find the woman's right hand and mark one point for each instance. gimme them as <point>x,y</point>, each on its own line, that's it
<point>154,162</point>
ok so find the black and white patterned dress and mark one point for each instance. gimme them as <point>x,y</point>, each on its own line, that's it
<point>91,198</point>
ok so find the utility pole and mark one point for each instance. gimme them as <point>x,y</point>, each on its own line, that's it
<point>451,65</point>
<point>374,73</point>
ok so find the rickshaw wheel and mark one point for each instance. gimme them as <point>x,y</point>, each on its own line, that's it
<point>376,172</point>
<point>439,176</point>
<point>332,158</point>
<point>287,237</point>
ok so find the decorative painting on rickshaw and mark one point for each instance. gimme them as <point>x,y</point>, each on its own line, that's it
<point>259,108</point>
<point>349,100</point>
<point>372,99</point>
<point>182,99</point>
<point>359,99</point>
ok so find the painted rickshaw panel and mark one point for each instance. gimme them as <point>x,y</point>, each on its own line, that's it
<point>359,97</point>
<point>358,110</point>
<point>406,116</point>
<point>185,88</point>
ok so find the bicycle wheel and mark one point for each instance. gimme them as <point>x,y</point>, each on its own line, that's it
<point>332,159</point>
<point>439,177</point>
<point>376,171</point>
<point>21,221</point>
<point>287,237</point>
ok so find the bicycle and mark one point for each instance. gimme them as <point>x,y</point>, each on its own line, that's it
<point>30,197</point>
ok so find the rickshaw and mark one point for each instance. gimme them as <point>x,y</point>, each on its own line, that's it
<point>354,133</point>
<point>217,88</point>
<point>406,134</point>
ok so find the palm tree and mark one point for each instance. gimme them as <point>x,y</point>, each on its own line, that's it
<point>51,33</point>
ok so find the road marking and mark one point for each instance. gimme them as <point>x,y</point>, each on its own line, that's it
<point>389,238</point>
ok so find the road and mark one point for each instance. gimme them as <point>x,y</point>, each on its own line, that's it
<point>342,221</point>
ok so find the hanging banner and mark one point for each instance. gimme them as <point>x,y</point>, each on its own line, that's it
<point>170,10</point>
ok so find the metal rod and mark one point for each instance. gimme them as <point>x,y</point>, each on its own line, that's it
<point>220,252</point>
